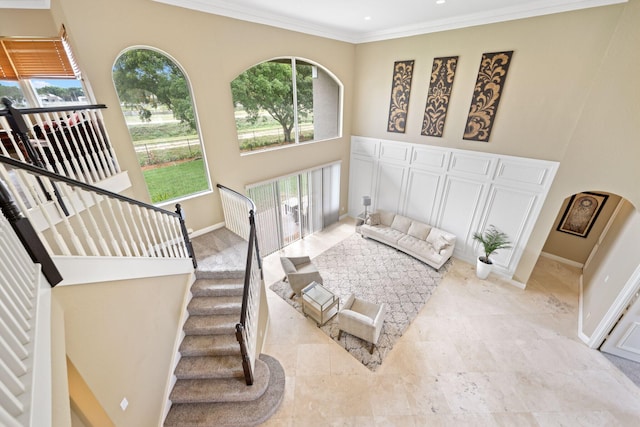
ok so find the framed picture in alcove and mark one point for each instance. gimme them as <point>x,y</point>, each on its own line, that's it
<point>581,213</point>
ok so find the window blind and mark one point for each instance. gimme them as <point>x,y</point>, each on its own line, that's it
<point>34,58</point>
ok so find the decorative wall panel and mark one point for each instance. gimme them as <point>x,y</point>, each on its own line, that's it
<point>400,91</point>
<point>389,186</point>
<point>393,151</point>
<point>430,159</point>
<point>443,71</point>
<point>423,195</point>
<point>361,180</point>
<point>460,191</point>
<point>486,95</point>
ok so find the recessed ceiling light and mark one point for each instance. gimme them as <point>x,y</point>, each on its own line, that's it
<point>367,18</point>
<point>440,1</point>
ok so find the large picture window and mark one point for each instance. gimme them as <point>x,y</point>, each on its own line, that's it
<point>286,101</point>
<point>156,101</point>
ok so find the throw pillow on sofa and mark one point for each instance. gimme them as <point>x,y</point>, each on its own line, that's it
<point>440,243</point>
<point>373,219</point>
<point>401,223</point>
<point>419,230</point>
<point>437,238</point>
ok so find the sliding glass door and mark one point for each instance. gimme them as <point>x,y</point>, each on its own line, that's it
<point>294,206</point>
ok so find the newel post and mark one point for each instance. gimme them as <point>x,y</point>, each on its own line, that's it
<point>28,236</point>
<point>185,235</point>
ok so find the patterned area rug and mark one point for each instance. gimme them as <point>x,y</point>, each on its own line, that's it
<point>378,273</point>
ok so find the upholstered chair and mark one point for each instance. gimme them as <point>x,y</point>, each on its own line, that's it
<point>363,319</point>
<point>299,271</point>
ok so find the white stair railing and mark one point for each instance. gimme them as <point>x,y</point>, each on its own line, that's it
<point>76,219</point>
<point>69,141</point>
<point>239,217</point>
<point>19,295</point>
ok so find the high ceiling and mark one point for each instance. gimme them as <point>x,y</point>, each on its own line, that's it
<point>359,21</point>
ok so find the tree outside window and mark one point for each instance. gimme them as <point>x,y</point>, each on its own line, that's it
<point>156,101</point>
<point>285,101</point>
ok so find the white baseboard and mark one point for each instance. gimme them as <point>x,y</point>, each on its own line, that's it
<point>206,230</point>
<point>584,337</point>
<point>562,260</point>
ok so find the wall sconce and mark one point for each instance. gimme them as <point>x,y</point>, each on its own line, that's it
<point>366,201</point>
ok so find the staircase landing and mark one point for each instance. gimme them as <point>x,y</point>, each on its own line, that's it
<point>220,254</point>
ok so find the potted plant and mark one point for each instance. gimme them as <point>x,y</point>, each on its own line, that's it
<point>492,240</point>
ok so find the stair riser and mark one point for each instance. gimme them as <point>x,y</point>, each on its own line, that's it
<point>208,292</point>
<point>214,311</point>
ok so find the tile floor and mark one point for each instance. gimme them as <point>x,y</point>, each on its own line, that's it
<point>480,353</point>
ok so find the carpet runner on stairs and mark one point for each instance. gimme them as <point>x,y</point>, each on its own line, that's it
<point>210,389</point>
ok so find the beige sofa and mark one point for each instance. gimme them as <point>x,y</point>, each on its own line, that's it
<point>430,245</point>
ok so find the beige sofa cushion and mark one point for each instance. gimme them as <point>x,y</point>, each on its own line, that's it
<point>401,223</point>
<point>419,230</point>
<point>386,217</point>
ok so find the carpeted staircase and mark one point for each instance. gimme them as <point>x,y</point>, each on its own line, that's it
<point>210,389</point>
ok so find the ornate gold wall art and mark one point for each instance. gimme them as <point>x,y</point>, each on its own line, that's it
<point>486,95</point>
<point>443,71</point>
<point>581,213</point>
<point>400,91</point>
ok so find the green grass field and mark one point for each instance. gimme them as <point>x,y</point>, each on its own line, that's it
<point>174,181</point>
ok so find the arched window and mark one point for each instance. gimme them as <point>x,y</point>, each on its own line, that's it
<point>286,101</point>
<point>156,101</point>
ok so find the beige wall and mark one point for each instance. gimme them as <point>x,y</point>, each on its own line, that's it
<point>27,22</point>
<point>576,248</point>
<point>212,50</point>
<point>611,267</point>
<point>570,96</point>
<point>120,336</point>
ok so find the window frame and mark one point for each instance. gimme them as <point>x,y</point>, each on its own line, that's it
<point>192,95</point>
<point>340,104</point>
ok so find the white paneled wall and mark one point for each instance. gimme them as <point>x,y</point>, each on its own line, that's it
<point>456,190</point>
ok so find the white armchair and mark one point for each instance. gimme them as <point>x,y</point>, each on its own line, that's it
<point>363,319</point>
<point>299,272</point>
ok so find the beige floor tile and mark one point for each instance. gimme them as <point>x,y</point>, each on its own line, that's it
<point>480,353</point>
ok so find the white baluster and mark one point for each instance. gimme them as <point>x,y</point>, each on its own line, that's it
<point>127,229</point>
<point>158,250</point>
<point>143,225</point>
<point>75,199</point>
<point>123,241</point>
<point>99,205</point>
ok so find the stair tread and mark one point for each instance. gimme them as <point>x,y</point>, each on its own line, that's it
<point>214,287</point>
<point>250,413</point>
<point>212,273</point>
<point>214,324</point>
<point>203,305</point>
<point>205,367</point>
<point>209,345</point>
<point>221,389</point>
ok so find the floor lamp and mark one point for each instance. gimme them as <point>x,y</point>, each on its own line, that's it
<point>366,201</point>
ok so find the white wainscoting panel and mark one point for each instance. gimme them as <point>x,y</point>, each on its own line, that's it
<point>394,151</point>
<point>460,210</point>
<point>512,210</point>
<point>522,173</point>
<point>365,146</point>
<point>472,164</point>
<point>459,191</point>
<point>422,200</point>
<point>426,158</point>
<point>361,180</point>
<point>389,186</point>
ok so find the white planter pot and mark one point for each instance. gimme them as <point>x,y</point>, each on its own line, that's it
<point>482,269</point>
